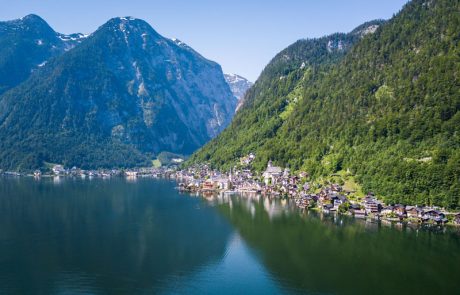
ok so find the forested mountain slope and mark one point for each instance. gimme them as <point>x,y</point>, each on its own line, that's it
<point>388,111</point>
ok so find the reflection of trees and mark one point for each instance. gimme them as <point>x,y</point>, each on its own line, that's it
<point>341,255</point>
<point>120,236</point>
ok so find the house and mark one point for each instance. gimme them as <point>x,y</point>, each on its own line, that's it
<point>339,200</point>
<point>272,173</point>
<point>335,200</point>
<point>457,219</point>
<point>222,183</point>
<point>129,174</point>
<point>58,169</point>
<point>400,210</point>
<point>336,188</point>
<point>434,215</point>
<point>414,212</point>
<point>387,210</point>
<point>208,185</point>
<point>303,174</point>
<point>371,205</point>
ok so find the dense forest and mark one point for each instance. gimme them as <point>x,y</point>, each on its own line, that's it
<point>386,110</point>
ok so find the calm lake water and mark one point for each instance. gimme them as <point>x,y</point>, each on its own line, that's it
<point>72,236</point>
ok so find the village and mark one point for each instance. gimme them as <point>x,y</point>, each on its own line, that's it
<point>278,182</point>
<point>274,182</point>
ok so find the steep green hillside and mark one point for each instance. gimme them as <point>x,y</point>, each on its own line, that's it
<point>387,111</point>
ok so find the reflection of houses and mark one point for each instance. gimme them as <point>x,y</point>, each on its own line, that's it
<point>272,173</point>
<point>359,213</point>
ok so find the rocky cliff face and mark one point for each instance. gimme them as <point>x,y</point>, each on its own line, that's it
<point>238,85</point>
<point>124,90</point>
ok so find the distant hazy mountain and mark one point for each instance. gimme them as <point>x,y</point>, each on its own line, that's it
<point>121,96</point>
<point>238,85</point>
<point>27,44</point>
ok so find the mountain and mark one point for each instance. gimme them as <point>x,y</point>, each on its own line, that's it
<point>27,44</point>
<point>238,86</point>
<point>385,111</point>
<point>120,97</point>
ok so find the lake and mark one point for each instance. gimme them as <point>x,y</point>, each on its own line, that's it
<point>116,236</point>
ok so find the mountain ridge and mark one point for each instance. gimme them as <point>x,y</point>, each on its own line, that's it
<point>120,97</point>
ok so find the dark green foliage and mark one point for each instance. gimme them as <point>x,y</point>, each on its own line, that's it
<point>388,111</point>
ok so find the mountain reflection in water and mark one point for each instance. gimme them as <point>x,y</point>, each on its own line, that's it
<point>312,252</point>
<point>96,236</point>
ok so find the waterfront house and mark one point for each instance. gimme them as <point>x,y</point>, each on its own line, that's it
<point>457,219</point>
<point>58,169</point>
<point>339,200</point>
<point>208,185</point>
<point>414,212</point>
<point>222,183</point>
<point>371,205</point>
<point>129,174</point>
<point>387,210</point>
<point>435,215</point>
<point>400,210</point>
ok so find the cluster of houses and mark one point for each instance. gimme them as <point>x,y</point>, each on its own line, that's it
<point>61,171</point>
<point>333,199</point>
<point>276,181</point>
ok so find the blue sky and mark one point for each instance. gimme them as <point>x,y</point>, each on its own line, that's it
<point>241,35</point>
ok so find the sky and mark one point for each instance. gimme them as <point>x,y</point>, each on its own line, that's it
<point>241,35</point>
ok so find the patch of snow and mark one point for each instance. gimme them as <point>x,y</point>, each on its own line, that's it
<point>125,32</point>
<point>144,39</point>
<point>127,18</point>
